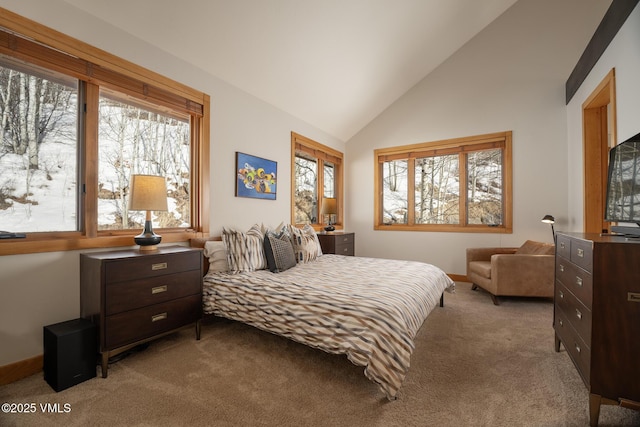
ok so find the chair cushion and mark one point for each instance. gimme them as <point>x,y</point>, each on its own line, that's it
<point>531,247</point>
<point>481,268</point>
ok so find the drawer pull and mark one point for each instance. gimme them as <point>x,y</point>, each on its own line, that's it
<point>561,268</point>
<point>633,296</point>
<point>561,323</point>
<point>159,289</point>
<point>579,281</point>
<point>561,294</point>
<point>346,239</point>
<point>158,317</point>
<point>561,245</point>
<point>578,314</point>
<point>580,252</point>
<point>159,266</point>
<point>578,349</point>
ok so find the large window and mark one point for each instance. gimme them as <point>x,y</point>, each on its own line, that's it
<point>462,184</point>
<point>76,124</point>
<point>316,176</point>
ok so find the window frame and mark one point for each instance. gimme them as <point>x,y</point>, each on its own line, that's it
<point>32,42</point>
<point>460,146</point>
<point>321,153</point>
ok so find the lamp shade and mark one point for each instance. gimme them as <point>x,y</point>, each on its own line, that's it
<point>148,192</point>
<point>329,206</point>
<point>548,219</point>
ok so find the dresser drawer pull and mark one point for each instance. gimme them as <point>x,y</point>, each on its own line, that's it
<point>561,322</point>
<point>578,314</point>
<point>561,294</point>
<point>633,296</point>
<point>562,245</point>
<point>159,266</point>
<point>346,239</point>
<point>159,289</point>
<point>158,317</point>
<point>561,268</point>
<point>579,281</point>
<point>580,252</point>
<point>578,349</point>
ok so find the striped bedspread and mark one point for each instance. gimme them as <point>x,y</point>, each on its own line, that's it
<point>367,308</point>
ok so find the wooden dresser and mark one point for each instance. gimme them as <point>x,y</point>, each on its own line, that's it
<point>337,242</point>
<point>597,315</point>
<point>134,296</point>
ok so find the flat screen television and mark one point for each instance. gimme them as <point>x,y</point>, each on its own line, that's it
<point>623,187</point>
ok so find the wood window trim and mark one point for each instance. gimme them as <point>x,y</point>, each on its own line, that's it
<point>449,146</point>
<point>150,85</point>
<point>323,153</point>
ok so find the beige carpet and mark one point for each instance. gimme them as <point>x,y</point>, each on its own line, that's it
<point>475,364</point>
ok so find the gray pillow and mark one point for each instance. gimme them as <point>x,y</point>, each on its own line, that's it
<point>279,252</point>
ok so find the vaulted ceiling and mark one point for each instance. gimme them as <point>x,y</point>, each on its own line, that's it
<point>335,64</point>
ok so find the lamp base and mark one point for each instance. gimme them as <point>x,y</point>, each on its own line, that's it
<point>147,239</point>
<point>329,228</point>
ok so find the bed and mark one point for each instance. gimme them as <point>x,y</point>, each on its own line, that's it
<point>367,308</point>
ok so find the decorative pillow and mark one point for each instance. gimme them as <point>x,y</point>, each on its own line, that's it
<point>305,243</point>
<point>245,251</point>
<point>279,251</point>
<point>531,247</point>
<point>216,251</point>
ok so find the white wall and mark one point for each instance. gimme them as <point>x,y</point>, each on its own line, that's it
<point>623,54</point>
<point>509,77</point>
<point>41,289</point>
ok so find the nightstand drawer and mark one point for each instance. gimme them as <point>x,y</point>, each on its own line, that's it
<point>151,266</point>
<point>131,326</point>
<point>124,296</point>
<point>337,243</point>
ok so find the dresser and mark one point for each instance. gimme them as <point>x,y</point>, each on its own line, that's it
<point>597,315</point>
<point>337,242</point>
<point>133,297</point>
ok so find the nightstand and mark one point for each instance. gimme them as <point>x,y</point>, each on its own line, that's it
<point>337,242</point>
<point>133,297</point>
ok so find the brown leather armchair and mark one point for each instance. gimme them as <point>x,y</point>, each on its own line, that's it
<point>524,271</point>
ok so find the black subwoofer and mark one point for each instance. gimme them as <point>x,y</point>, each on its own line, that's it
<point>70,353</point>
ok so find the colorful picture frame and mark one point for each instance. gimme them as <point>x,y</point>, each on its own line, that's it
<point>255,177</point>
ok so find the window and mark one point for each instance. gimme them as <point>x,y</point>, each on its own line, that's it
<point>76,125</point>
<point>316,174</point>
<point>461,184</point>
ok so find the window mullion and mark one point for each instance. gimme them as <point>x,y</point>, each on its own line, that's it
<point>464,202</point>
<point>89,143</point>
<point>411,191</point>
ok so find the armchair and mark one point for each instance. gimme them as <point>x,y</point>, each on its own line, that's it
<point>525,271</point>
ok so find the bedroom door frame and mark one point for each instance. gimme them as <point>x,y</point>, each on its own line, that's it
<point>599,124</point>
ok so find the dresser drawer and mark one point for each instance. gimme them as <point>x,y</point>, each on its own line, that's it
<point>582,254</point>
<point>131,326</point>
<point>575,312</point>
<point>579,352</point>
<point>576,280</point>
<point>151,266</point>
<point>563,246</point>
<point>124,296</point>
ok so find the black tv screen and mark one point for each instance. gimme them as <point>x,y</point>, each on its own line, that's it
<point>623,184</point>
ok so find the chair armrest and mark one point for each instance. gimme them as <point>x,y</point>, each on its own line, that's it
<point>526,273</point>
<point>484,254</point>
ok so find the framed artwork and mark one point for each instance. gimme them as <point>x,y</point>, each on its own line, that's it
<point>255,177</point>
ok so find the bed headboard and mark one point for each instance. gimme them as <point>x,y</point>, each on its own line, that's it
<point>199,242</point>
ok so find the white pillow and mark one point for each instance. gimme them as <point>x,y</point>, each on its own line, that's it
<point>305,243</point>
<point>216,251</point>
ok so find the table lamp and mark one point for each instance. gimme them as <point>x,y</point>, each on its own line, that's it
<point>148,193</point>
<point>329,207</point>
